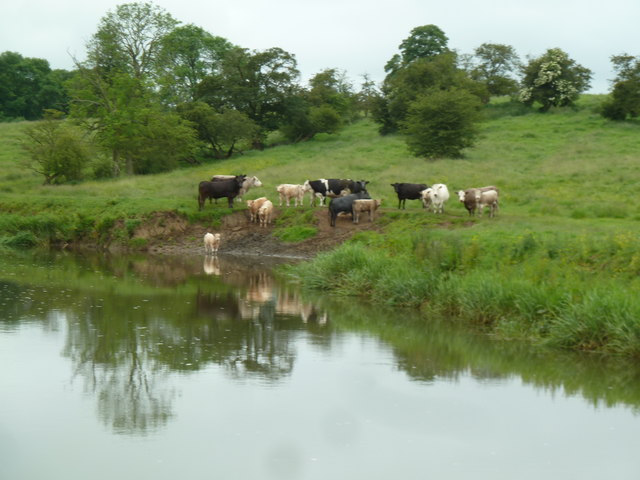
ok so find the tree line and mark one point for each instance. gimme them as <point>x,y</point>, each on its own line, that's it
<point>153,95</point>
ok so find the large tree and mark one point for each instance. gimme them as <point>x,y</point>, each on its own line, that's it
<point>624,101</point>
<point>28,86</point>
<point>420,82</point>
<point>495,67</point>
<point>129,40</point>
<point>116,92</point>
<point>325,107</point>
<point>222,132</point>
<point>256,83</point>
<point>189,54</point>
<point>402,87</point>
<point>553,80</point>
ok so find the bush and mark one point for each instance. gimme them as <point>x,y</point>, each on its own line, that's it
<point>21,240</point>
<point>442,123</point>
<point>56,149</point>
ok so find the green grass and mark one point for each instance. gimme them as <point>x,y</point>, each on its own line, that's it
<point>559,263</point>
<point>295,225</point>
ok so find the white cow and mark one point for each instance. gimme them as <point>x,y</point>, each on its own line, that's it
<point>288,191</point>
<point>211,243</point>
<point>435,196</point>
<point>246,184</point>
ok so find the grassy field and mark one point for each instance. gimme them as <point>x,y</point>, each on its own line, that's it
<point>558,265</point>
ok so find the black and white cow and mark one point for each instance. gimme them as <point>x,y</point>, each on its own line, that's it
<point>344,205</point>
<point>408,191</point>
<point>334,187</point>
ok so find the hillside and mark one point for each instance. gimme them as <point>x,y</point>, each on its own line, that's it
<point>567,169</point>
<point>555,170</point>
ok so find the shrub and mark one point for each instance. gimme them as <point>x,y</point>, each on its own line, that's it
<point>442,123</point>
<point>56,149</point>
<point>21,240</point>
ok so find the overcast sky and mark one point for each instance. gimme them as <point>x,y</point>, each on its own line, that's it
<point>355,36</point>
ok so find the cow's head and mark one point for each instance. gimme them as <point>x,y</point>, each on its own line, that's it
<point>255,182</point>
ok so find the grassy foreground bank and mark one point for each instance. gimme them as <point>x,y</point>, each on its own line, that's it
<point>558,265</point>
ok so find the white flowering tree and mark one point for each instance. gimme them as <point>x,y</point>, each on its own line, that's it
<point>553,80</point>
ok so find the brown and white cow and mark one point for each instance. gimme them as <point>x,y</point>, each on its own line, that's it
<point>254,206</point>
<point>365,205</point>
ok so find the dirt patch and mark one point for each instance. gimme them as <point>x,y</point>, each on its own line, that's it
<point>167,233</point>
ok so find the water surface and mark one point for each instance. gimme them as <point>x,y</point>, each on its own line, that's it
<point>164,367</point>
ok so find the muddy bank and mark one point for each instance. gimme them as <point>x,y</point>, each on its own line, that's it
<point>168,233</point>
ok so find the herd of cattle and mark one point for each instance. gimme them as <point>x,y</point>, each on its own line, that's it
<point>347,196</point>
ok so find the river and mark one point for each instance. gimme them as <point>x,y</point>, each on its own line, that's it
<point>160,367</point>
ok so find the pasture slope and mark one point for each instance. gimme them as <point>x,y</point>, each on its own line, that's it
<point>560,263</point>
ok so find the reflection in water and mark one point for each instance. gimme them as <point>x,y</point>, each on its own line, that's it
<point>133,322</point>
<point>211,265</point>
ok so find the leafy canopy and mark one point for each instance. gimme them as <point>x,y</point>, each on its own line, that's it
<point>496,66</point>
<point>28,87</point>
<point>425,41</point>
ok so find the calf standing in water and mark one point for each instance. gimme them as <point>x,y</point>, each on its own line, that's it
<point>211,243</point>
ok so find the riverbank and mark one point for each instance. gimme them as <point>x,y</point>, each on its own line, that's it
<point>171,234</point>
<point>560,264</point>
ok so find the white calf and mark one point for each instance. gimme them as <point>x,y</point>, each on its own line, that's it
<point>265,212</point>
<point>211,243</point>
<point>489,199</point>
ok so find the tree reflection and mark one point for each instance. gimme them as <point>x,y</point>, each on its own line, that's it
<point>125,346</point>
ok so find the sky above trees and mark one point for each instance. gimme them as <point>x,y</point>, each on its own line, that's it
<point>357,36</point>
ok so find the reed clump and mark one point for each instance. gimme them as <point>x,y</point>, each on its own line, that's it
<point>568,292</point>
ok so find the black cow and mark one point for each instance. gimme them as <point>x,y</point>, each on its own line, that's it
<point>219,189</point>
<point>408,191</point>
<point>343,204</point>
<point>333,187</point>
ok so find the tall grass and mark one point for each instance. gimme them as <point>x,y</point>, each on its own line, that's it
<point>562,290</point>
